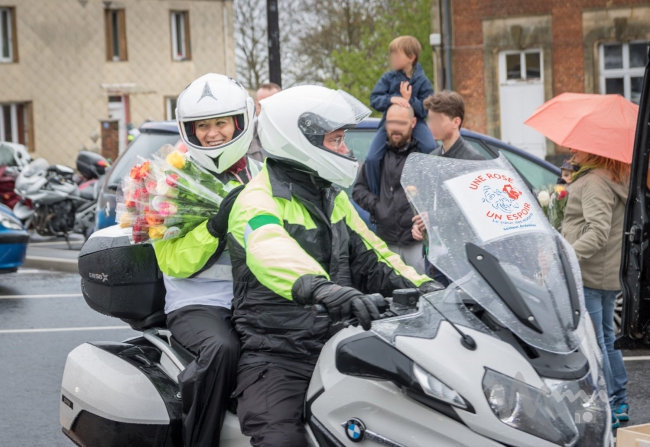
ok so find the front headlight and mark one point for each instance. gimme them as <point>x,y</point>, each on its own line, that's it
<point>529,409</point>
<point>9,223</point>
<point>435,388</point>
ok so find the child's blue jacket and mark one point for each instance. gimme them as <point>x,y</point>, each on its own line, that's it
<point>388,86</point>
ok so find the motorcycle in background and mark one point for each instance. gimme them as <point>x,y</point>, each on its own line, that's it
<point>60,205</point>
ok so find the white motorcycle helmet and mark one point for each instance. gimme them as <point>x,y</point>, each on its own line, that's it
<point>293,123</point>
<point>213,96</point>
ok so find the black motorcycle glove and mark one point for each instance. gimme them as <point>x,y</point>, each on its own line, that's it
<point>217,225</point>
<point>365,309</point>
<point>430,286</point>
<point>343,303</point>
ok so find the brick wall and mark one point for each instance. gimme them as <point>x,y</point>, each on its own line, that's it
<point>567,49</point>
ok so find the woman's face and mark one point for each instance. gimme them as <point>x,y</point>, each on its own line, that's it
<point>579,157</point>
<point>214,132</point>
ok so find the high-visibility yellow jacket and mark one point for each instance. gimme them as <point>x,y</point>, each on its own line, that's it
<point>280,240</point>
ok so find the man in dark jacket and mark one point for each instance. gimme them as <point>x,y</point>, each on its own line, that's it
<point>445,118</point>
<point>446,114</point>
<point>390,209</point>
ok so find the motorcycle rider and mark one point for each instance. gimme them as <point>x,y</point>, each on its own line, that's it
<point>215,118</point>
<point>295,240</point>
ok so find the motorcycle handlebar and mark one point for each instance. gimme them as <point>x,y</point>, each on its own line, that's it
<point>379,300</point>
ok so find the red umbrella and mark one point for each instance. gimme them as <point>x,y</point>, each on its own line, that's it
<point>599,124</point>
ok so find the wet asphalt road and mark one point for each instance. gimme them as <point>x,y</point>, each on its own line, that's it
<point>37,331</point>
<point>43,317</point>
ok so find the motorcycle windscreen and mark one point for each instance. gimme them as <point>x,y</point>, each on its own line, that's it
<point>487,234</point>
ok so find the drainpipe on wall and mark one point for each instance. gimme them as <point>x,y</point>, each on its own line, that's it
<point>226,28</point>
<point>446,12</point>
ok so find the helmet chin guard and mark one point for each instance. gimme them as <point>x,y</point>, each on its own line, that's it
<point>215,96</point>
<point>293,124</point>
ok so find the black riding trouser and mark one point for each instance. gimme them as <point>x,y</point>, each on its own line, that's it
<point>207,382</point>
<point>270,403</point>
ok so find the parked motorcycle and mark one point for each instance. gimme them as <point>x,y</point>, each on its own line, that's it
<point>13,158</point>
<point>60,205</point>
<point>506,355</point>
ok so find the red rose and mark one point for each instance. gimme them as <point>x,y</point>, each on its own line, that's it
<point>512,192</point>
<point>151,187</point>
<point>140,230</point>
<point>172,179</point>
<point>562,195</point>
<point>141,195</point>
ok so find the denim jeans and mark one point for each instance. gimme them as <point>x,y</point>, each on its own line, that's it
<point>600,305</point>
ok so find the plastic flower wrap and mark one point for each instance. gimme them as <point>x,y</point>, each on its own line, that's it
<point>553,202</point>
<point>167,196</point>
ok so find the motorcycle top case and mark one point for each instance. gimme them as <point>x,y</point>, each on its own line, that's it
<point>91,165</point>
<point>121,279</point>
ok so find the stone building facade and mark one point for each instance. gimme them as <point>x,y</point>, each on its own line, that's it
<point>509,56</point>
<point>69,67</point>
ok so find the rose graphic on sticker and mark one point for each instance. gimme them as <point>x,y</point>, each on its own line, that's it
<point>499,199</point>
<point>512,192</point>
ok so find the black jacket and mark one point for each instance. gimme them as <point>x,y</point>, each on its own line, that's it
<point>321,220</point>
<point>391,210</point>
<point>461,149</point>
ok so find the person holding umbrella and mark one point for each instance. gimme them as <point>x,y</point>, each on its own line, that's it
<point>600,130</point>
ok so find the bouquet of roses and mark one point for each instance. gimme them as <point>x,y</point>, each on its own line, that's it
<point>553,202</point>
<point>167,196</point>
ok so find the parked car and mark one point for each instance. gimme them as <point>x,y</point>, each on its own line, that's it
<point>535,171</point>
<point>13,241</point>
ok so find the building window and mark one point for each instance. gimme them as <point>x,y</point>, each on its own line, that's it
<point>170,108</point>
<point>8,42</point>
<point>180,35</point>
<point>115,21</point>
<point>521,66</point>
<point>16,124</point>
<point>621,68</point>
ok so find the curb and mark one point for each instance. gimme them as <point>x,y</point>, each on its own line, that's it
<point>45,263</point>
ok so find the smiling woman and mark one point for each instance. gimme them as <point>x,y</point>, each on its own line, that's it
<point>216,131</point>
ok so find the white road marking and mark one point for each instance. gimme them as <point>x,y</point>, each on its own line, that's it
<point>49,258</point>
<point>29,271</point>
<point>62,329</point>
<point>641,357</point>
<point>54,295</point>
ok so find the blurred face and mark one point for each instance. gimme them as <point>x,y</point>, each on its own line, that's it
<point>399,125</point>
<point>262,94</point>
<point>566,175</point>
<point>579,157</point>
<point>400,61</point>
<point>441,126</point>
<point>214,132</point>
<point>335,142</point>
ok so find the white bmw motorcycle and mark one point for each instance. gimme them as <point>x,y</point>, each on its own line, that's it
<point>505,356</point>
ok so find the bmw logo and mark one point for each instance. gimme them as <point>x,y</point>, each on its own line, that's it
<point>355,430</point>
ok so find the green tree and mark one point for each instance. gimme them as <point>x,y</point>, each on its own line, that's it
<point>357,66</point>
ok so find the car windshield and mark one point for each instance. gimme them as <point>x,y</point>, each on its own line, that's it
<point>488,235</point>
<point>538,176</point>
<point>143,146</point>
